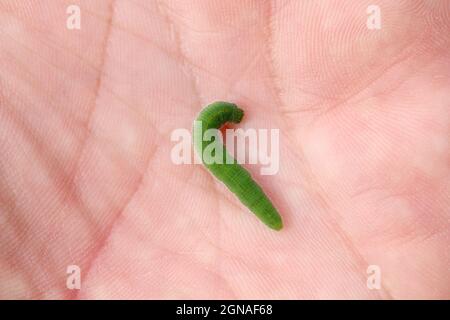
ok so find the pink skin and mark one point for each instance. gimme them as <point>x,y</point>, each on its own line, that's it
<point>85,170</point>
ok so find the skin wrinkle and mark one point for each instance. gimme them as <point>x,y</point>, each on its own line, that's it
<point>189,253</point>
<point>67,179</point>
<point>341,232</point>
<point>401,57</point>
<point>131,108</point>
<point>56,45</point>
<point>32,84</point>
<point>70,52</point>
<point>392,88</point>
<point>215,271</point>
<point>40,256</point>
<point>44,157</point>
<point>347,240</point>
<point>345,100</point>
<point>298,152</point>
<point>404,53</point>
<point>410,236</point>
<point>185,60</point>
<point>84,143</point>
<point>220,196</point>
<point>197,94</point>
<point>247,68</point>
<point>11,261</point>
<point>57,110</point>
<point>178,42</point>
<point>108,233</point>
<point>342,235</point>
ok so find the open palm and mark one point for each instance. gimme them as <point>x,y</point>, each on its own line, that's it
<point>86,176</point>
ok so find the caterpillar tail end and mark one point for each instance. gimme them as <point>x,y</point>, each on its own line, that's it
<point>277,225</point>
<point>272,220</point>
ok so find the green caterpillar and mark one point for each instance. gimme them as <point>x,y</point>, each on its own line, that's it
<point>234,176</point>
